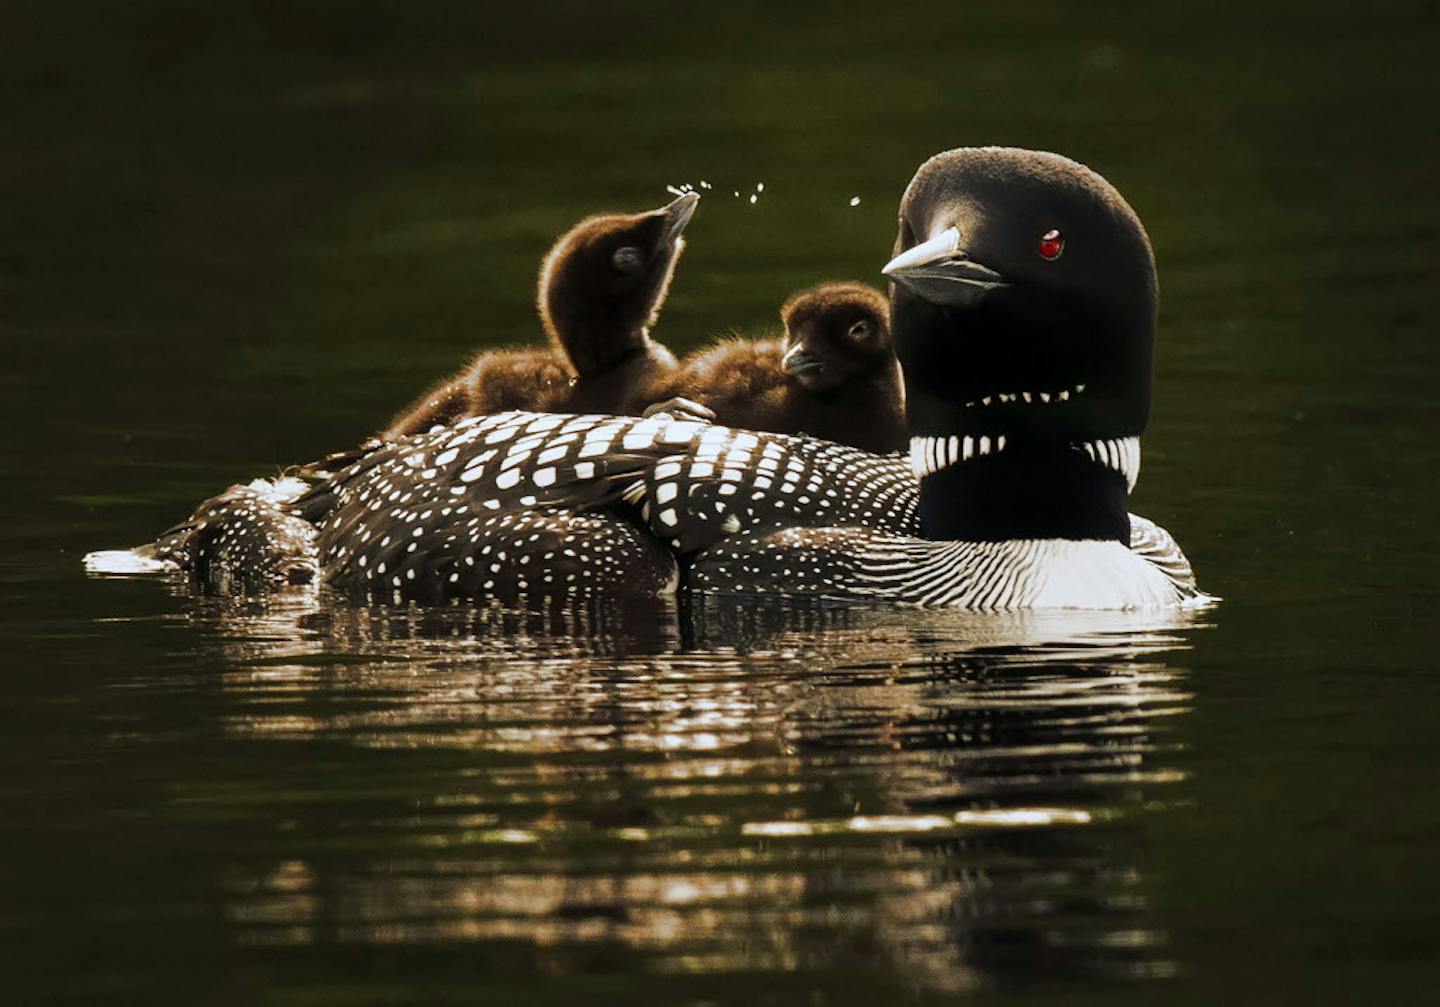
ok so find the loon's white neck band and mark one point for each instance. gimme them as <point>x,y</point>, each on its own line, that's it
<point>929,455</point>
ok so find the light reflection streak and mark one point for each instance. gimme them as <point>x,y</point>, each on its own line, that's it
<point>898,824</point>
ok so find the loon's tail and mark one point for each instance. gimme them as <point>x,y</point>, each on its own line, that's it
<point>127,562</point>
<point>243,540</point>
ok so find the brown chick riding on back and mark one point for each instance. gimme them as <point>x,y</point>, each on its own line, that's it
<point>601,288</point>
<point>833,375</point>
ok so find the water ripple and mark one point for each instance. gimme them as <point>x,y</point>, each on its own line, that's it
<point>954,798</point>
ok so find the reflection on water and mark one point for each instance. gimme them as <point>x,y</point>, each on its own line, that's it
<point>949,797</point>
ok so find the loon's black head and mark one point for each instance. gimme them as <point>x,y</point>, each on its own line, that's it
<point>1016,272</point>
<point>835,332</point>
<point>1023,306</point>
<point>603,283</point>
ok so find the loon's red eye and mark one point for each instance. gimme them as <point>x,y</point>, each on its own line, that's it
<point>1052,243</point>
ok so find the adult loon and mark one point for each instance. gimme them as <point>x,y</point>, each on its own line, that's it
<point>601,288</point>
<point>832,375</point>
<point>1024,317</point>
<point>519,506</point>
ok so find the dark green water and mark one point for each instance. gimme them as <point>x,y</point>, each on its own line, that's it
<point>238,235</point>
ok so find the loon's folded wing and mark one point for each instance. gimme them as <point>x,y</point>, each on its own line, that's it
<point>694,481</point>
<point>728,481</point>
<point>423,494</point>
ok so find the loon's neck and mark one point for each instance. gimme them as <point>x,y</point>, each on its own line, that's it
<point>1036,491</point>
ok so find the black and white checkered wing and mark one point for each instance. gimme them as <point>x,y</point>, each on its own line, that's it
<point>733,481</point>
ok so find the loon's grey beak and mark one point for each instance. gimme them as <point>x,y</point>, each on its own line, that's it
<point>796,361</point>
<point>678,214</point>
<point>939,271</point>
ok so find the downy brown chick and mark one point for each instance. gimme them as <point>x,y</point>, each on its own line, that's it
<point>601,289</point>
<point>833,374</point>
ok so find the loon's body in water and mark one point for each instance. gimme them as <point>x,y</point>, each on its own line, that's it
<point>601,289</point>
<point>1024,317</point>
<point>522,505</point>
<point>832,375</point>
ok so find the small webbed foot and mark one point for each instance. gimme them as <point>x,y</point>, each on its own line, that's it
<point>682,409</point>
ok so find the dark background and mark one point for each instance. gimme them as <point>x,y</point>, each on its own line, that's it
<point>238,235</point>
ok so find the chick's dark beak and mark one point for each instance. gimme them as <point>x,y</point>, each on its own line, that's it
<point>677,214</point>
<point>798,361</point>
<point>939,271</point>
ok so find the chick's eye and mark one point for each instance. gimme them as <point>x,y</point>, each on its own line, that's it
<point>626,259</point>
<point>860,330</point>
<point>1052,243</point>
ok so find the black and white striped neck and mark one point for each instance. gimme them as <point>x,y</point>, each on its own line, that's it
<point>1000,488</point>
